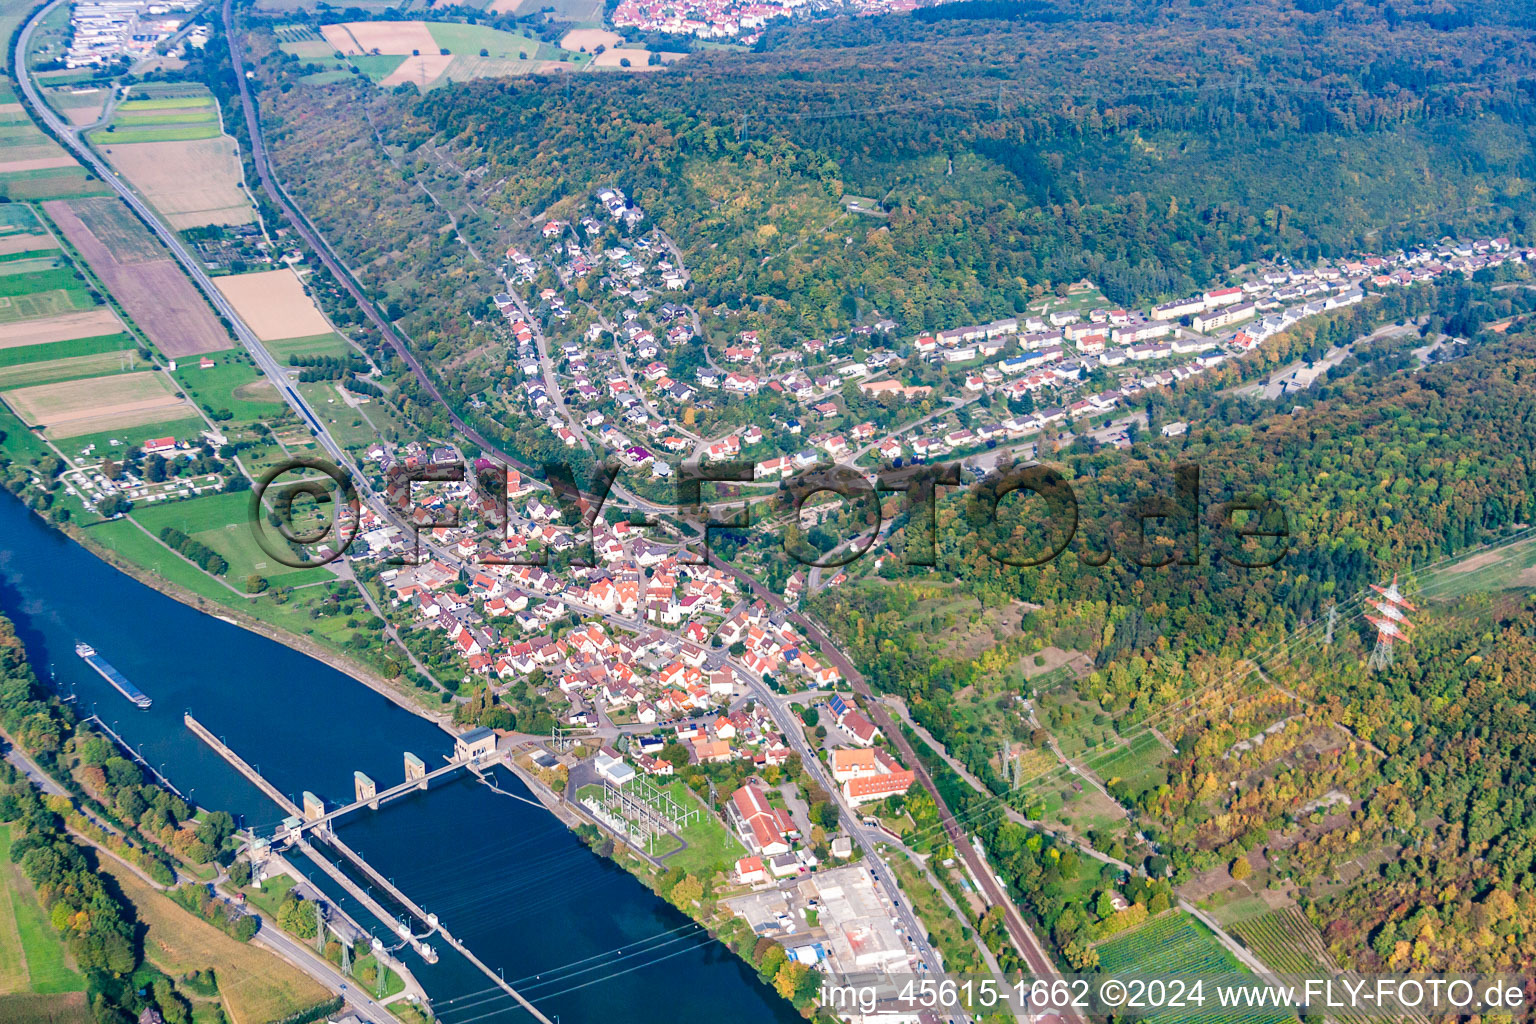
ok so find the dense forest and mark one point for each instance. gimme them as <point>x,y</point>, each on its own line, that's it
<point>1382,473</point>
<point>1386,474</point>
<point>1183,142</point>
<point>1008,158</point>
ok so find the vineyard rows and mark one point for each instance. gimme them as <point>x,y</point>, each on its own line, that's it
<point>1173,945</point>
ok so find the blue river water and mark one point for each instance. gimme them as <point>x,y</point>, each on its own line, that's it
<point>577,935</point>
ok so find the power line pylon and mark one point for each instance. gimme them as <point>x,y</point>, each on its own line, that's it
<point>1391,624</point>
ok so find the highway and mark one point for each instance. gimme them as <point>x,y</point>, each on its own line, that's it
<point>69,135</point>
<point>1028,945</point>
<point>29,768</point>
<point>322,251</point>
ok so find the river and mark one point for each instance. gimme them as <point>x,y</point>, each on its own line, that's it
<point>575,933</point>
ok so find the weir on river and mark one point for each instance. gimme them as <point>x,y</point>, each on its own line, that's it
<point>293,831</point>
<point>571,931</point>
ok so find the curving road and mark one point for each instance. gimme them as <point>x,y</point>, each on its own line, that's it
<point>69,136</point>
<point>1024,939</point>
<point>359,1000</point>
<point>322,251</point>
<point>1039,963</point>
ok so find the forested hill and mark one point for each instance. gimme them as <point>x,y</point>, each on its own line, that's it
<point>1385,474</point>
<point>1150,150</point>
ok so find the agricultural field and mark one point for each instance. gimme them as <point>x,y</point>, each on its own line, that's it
<point>29,1008</point>
<point>20,248</point>
<point>310,47</point>
<point>32,956</point>
<point>77,407</point>
<point>141,276</point>
<point>274,304</point>
<point>51,371</point>
<point>116,227</point>
<point>302,41</point>
<point>633,57</point>
<point>31,263</point>
<point>80,105</point>
<point>37,294</point>
<point>255,985</point>
<point>49,178</point>
<point>329,344</point>
<point>422,70</point>
<point>378,68</point>
<point>32,165</point>
<point>18,333</point>
<point>21,231</point>
<point>464,40</point>
<point>1282,938</point>
<point>193,183</point>
<point>162,118</point>
<point>380,37</point>
<point>1287,942</point>
<point>432,52</point>
<point>1174,945</point>
<point>69,77</point>
<point>586,40</point>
